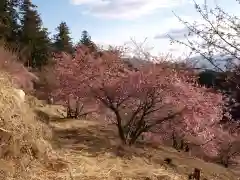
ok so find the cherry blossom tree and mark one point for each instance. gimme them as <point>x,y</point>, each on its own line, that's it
<point>140,101</point>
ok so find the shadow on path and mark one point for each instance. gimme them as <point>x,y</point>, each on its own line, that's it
<point>92,139</point>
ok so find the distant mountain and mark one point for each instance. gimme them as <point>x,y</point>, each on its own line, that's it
<point>220,61</point>
<point>135,62</point>
<point>199,62</point>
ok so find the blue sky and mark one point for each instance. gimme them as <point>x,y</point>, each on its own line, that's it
<point>116,21</point>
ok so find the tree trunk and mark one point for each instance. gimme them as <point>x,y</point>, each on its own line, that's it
<point>181,147</point>
<point>174,141</point>
<point>77,110</point>
<point>120,129</point>
<point>69,112</point>
<point>135,137</point>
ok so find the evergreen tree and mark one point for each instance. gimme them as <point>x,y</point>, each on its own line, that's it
<point>4,23</point>
<point>86,40</point>
<point>9,27</point>
<point>34,36</point>
<point>62,40</point>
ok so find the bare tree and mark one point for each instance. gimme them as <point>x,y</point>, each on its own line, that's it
<point>217,41</point>
<point>218,35</point>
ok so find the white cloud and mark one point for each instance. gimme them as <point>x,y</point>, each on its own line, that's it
<point>126,9</point>
<point>176,29</point>
<point>147,31</point>
<point>173,33</point>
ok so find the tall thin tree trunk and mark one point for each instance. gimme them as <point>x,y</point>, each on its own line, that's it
<point>68,108</point>
<point>120,129</point>
<point>77,108</point>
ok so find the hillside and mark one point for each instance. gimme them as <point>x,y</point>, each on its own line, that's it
<point>93,153</point>
<point>39,143</point>
<point>25,151</point>
<point>98,106</point>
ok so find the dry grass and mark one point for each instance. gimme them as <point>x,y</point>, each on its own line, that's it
<point>25,152</point>
<point>93,153</point>
<point>19,74</point>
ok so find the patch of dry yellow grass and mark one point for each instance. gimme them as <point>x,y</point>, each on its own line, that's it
<point>25,152</point>
<point>91,150</point>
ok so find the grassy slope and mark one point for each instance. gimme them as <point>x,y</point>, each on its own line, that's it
<point>91,151</point>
